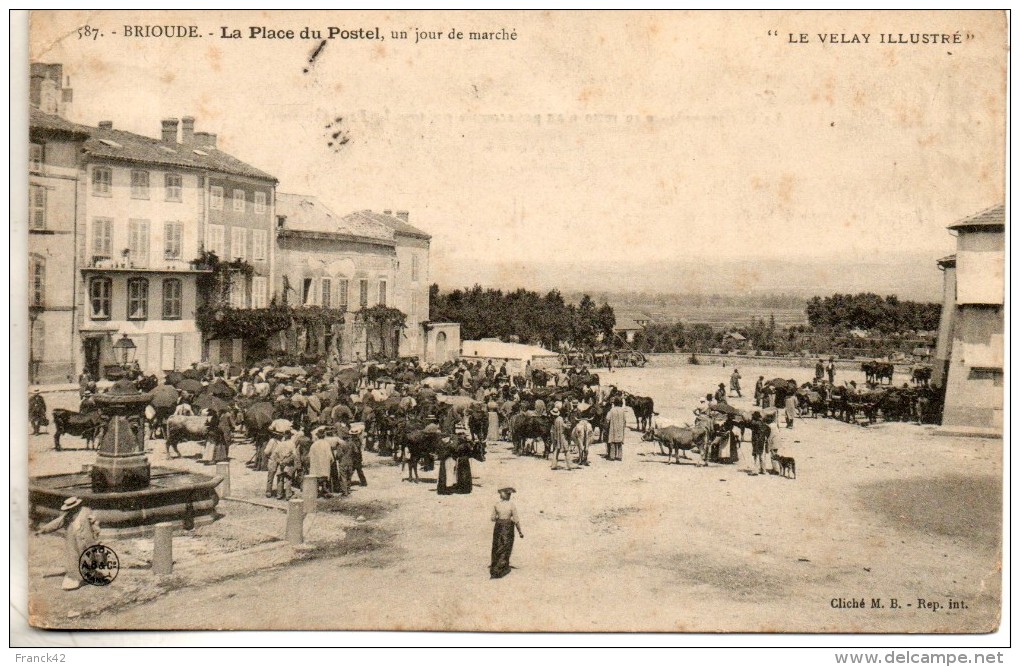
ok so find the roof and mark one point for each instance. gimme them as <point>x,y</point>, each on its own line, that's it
<point>39,120</point>
<point>626,324</point>
<point>306,213</point>
<point>947,261</point>
<point>396,224</point>
<point>990,217</point>
<point>501,350</point>
<point>131,147</point>
<point>735,336</point>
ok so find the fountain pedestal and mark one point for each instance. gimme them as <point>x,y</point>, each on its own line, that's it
<point>121,463</point>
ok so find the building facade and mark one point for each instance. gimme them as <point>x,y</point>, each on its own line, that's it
<point>150,208</point>
<point>54,190</point>
<point>972,326</point>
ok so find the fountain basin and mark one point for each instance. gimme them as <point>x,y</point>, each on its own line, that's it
<point>187,499</point>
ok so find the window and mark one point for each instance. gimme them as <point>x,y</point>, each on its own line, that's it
<point>414,268</point>
<point>173,233</point>
<point>363,297</point>
<point>102,181</point>
<point>35,157</point>
<point>172,304</point>
<point>326,289</point>
<point>37,274</point>
<point>173,187</point>
<point>258,251</point>
<point>139,184</point>
<point>215,242</point>
<point>36,207</point>
<point>238,242</point>
<point>239,200</point>
<point>138,299</point>
<point>102,238</point>
<point>237,291</point>
<point>260,202</point>
<point>138,242</point>
<point>341,293</point>
<point>308,292</point>
<point>99,298</point>
<point>258,292</point>
<point>216,198</point>
<point>382,292</point>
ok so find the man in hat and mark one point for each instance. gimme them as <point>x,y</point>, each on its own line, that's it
<point>616,422</point>
<point>830,369</point>
<point>321,458</point>
<point>346,452</point>
<point>735,382</point>
<point>280,432</point>
<point>82,532</point>
<point>37,412</point>
<point>720,393</point>
<point>760,432</point>
<point>759,391</point>
<point>558,440</point>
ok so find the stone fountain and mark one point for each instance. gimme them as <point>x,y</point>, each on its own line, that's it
<point>128,495</point>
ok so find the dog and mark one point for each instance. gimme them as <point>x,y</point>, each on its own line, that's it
<point>787,465</point>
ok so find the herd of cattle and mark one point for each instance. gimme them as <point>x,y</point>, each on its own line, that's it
<point>424,415</point>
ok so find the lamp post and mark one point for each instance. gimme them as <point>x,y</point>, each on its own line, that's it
<point>126,348</point>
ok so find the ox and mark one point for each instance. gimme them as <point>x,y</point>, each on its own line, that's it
<point>676,439</point>
<point>85,425</point>
<point>529,427</point>
<point>582,436</point>
<point>180,428</point>
<point>644,409</point>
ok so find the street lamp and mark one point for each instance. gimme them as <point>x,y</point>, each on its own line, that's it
<point>127,349</point>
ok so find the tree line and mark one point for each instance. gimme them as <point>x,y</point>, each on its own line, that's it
<point>523,316</point>
<point>871,312</point>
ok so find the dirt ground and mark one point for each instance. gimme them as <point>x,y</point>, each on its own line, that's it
<point>890,512</point>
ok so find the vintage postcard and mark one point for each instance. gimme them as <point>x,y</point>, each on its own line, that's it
<point>516,321</point>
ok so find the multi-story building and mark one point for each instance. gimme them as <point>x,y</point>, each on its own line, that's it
<point>411,291</point>
<point>353,263</point>
<point>150,207</point>
<point>54,190</point>
<point>969,355</point>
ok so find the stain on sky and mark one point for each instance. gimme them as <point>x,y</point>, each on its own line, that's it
<point>336,134</point>
<point>315,54</point>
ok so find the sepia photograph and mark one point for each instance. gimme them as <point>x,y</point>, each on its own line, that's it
<point>513,321</point>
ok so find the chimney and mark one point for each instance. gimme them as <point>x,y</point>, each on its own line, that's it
<point>106,125</point>
<point>170,130</point>
<point>204,139</point>
<point>387,212</point>
<point>403,215</point>
<point>188,130</point>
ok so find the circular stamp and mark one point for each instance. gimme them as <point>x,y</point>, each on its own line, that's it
<point>98,565</point>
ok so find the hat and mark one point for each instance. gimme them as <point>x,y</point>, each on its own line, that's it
<point>281,426</point>
<point>507,488</point>
<point>555,412</point>
<point>70,503</point>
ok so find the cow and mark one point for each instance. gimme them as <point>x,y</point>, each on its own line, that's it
<point>85,425</point>
<point>478,422</point>
<point>183,429</point>
<point>876,371</point>
<point>809,399</point>
<point>422,446</point>
<point>644,410</point>
<point>676,439</point>
<point>582,436</point>
<point>525,427</point>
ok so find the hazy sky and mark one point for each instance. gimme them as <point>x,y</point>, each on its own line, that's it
<point>726,142</point>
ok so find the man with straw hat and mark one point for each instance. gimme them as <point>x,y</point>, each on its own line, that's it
<point>504,516</point>
<point>82,533</point>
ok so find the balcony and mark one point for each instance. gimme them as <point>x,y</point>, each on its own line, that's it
<point>101,264</point>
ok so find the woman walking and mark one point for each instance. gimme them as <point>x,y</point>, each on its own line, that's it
<point>504,516</point>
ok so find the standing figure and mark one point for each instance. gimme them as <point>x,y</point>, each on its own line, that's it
<point>735,382</point>
<point>791,409</point>
<point>82,533</point>
<point>819,370</point>
<point>759,441</point>
<point>504,516</point>
<point>830,369</point>
<point>759,391</point>
<point>37,412</point>
<point>558,440</point>
<point>617,427</point>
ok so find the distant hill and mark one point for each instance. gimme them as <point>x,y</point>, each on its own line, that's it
<point>907,275</point>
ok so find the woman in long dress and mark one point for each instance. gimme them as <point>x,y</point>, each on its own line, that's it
<point>505,520</point>
<point>464,452</point>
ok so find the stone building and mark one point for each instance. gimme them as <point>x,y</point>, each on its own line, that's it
<point>54,188</point>
<point>970,348</point>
